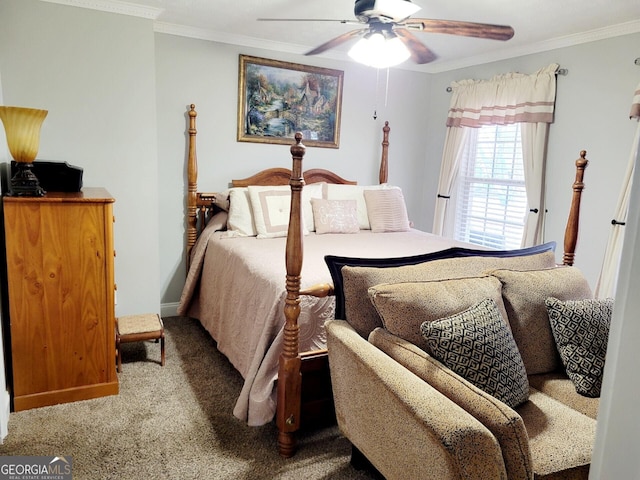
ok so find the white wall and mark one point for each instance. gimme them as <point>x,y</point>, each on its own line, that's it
<point>118,100</point>
<point>117,95</point>
<point>618,433</point>
<point>206,73</point>
<point>592,114</point>
<point>94,72</point>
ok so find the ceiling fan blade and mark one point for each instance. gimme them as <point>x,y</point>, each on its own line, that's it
<point>467,29</point>
<point>339,40</point>
<point>420,54</point>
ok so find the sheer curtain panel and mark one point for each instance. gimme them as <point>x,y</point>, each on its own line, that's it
<point>504,99</point>
<point>606,286</point>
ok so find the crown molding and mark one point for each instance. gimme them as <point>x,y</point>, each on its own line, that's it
<point>506,53</point>
<point>113,6</point>
<point>125,8</point>
<point>231,39</point>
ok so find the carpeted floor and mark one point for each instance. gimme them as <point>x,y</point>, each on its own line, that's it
<point>173,422</point>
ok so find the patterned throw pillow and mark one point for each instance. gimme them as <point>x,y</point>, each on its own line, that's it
<point>581,332</point>
<point>478,346</point>
<point>403,307</point>
<point>335,216</point>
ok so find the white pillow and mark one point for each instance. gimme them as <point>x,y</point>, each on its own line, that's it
<point>309,192</point>
<point>387,210</point>
<point>240,218</point>
<point>335,216</point>
<point>271,206</point>
<point>353,192</point>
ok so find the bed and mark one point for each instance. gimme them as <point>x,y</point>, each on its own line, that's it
<point>262,304</point>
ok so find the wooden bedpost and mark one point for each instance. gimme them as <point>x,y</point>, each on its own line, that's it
<point>289,377</point>
<point>571,232</point>
<point>192,184</point>
<point>384,160</point>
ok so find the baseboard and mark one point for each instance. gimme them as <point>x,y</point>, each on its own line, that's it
<point>5,409</point>
<point>169,309</point>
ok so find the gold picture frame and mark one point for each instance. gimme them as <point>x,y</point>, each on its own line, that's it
<point>276,99</point>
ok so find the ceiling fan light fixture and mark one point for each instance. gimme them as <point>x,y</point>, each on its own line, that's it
<point>384,10</point>
<point>379,51</point>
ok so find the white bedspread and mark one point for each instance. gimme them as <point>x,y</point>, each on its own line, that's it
<point>237,291</point>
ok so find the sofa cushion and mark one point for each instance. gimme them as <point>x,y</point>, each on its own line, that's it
<point>524,294</point>
<point>403,307</point>
<point>352,282</point>
<point>478,345</point>
<point>559,386</point>
<point>560,438</point>
<point>502,421</point>
<point>581,331</point>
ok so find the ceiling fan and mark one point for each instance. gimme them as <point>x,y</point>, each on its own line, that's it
<point>388,21</point>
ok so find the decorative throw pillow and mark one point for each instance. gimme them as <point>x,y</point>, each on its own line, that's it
<point>240,218</point>
<point>309,192</point>
<point>271,206</point>
<point>335,216</point>
<point>403,307</point>
<point>333,191</point>
<point>478,346</point>
<point>349,192</point>
<point>386,210</point>
<point>581,332</point>
<point>524,294</point>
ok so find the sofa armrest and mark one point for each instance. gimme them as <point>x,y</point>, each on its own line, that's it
<point>405,427</point>
<point>502,421</point>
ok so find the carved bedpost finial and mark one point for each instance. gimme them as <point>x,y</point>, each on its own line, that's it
<point>384,159</point>
<point>571,232</point>
<point>297,153</point>
<point>289,377</point>
<point>192,184</point>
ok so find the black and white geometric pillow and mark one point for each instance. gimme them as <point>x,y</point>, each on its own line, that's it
<point>478,345</point>
<point>581,331</point>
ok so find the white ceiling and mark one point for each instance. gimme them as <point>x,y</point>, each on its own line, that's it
<point>539,25</point>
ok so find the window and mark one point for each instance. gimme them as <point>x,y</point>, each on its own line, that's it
<point>492,202</point>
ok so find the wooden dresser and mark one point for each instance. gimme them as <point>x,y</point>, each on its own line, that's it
<point>60,273</point>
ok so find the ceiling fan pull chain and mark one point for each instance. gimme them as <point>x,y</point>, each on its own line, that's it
<point>375,103</point>
<point>386,89</point>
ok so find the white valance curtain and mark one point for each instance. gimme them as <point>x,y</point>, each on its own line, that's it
<point>504,99</point>
<point>606,286</point>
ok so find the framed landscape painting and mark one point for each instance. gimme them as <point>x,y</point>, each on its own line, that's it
<point>277,99</point>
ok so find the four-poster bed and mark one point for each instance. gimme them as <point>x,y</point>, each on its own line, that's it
<point>282,360</point>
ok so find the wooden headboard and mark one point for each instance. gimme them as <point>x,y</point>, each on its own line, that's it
<point>281,176</point>
<point>202,205</point>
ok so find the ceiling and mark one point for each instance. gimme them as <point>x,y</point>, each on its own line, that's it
<point>539,25</point>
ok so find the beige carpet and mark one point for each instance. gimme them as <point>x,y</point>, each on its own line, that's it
<point>173,422</point>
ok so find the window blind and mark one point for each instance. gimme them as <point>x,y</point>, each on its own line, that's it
<point>492,202</point>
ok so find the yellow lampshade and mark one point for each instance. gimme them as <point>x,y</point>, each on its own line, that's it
<point>22,127</point>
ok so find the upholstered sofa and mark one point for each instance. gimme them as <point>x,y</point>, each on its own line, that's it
<point>412,416</point>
